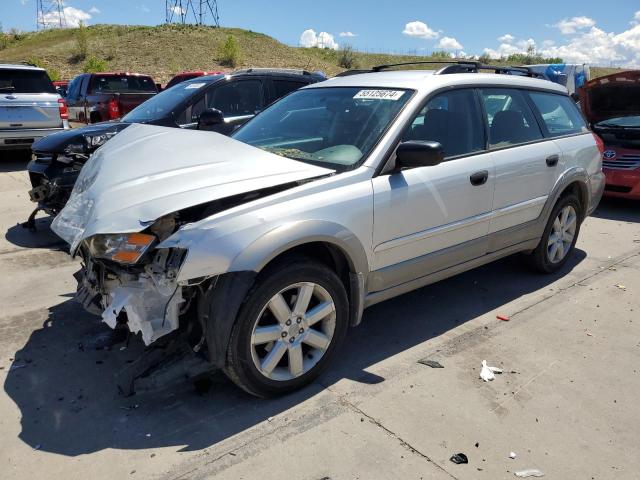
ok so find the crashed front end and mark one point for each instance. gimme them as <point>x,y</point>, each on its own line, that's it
<point>146,291</point>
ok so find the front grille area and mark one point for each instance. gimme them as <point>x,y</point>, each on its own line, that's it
<point>617,188</point>
<point>623,162</point>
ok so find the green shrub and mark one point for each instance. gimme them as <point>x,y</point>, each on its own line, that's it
<point>230,52</point>
<point>82,42</point>
<point>347,57</point>
<point>441,55</point>
<point>95,65</point>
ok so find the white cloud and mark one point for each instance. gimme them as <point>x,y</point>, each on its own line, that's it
<point>71,17</point>
<point>506,38</point>
<point>419,30</point>
<point>309,39</point>
<point>94,10</point>
<point>144,8</point>
<point>24,2</point>
<point>574,25</point>
<point>347,34</point>
<point>177,10</point>
<point>449,43</point>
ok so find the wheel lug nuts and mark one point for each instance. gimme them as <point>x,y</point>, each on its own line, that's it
<point>298,320</point>
<point>284,334</point>
<point>292,339</point>
<point>301,330</point>
<point>288,322</point>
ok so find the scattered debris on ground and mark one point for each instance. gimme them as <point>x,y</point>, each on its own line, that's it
<point>531,472</point>
<point>504,318</point>
<point>512,455</point>
<point>487,372</point>
<point>459,458</point>
<point>431,363</point>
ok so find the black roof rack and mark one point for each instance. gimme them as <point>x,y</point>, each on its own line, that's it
<point>453,66</point>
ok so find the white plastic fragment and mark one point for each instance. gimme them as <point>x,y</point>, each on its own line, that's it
<point>512,455</point>
<point>487,372</point>
<point>531,472</point>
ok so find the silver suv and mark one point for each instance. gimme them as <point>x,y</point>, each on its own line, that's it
<point>30,106</point>
<point>267,246</point>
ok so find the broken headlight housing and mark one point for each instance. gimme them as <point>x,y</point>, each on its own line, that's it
<point>95,141</point>
<point>126,248</point>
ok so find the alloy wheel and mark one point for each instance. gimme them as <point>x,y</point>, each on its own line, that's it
<point>562,234</point>
<point>293,331</point>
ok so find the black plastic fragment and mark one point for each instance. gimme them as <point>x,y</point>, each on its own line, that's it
<point>431,363</point>
<point>459,458</point>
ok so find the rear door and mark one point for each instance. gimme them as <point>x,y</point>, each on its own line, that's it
<point>28,100</point>
<point>527,164</point>
<point>421,213</point>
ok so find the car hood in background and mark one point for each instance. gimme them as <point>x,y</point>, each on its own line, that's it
<point>616,95</point>
<point>146,172</point>
<point>57,142</point>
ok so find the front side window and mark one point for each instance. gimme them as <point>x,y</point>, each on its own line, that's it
<point>237,98</point>
<point>452,119</point>
<point>511,121</point>
<point>559,114</point>
<point>332,127</point>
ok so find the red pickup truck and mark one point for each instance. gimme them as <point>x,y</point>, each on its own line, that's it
<point>98,97</point>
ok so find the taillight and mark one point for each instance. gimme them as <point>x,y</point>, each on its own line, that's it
<point>64,111</point>
<point>114,109</point>
<point>599,144</point>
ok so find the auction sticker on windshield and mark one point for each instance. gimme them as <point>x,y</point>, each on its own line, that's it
<point>380,94</point>
<point>194,85</point>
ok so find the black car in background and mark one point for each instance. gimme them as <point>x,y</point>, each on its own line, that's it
<point>219,103</point>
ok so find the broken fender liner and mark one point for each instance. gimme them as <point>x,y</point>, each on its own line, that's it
<point>218,309</point>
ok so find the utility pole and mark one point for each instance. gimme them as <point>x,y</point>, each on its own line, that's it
<point>50,14</point>
<point>202,11</point>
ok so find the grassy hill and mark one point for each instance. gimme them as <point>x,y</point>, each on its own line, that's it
<point>164,50</point>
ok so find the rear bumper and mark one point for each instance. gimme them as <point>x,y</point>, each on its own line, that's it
<point>622,183</point>
<point>23,138</point>
<point>596,189</point>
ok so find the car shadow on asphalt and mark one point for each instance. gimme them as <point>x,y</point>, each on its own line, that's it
<point>62,378</point>
<point>14,160</point>
<point>619,209</point>
<point>42,237</point>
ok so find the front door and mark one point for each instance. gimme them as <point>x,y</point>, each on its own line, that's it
<point>435,217</point>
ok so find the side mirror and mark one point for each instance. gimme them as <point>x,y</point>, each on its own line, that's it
<point>210,118</point>
<point>417,153</point>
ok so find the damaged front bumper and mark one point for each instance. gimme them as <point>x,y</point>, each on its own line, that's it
<point>148,295</point>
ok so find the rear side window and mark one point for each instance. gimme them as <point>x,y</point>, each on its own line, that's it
<point>122,84</point>
<point>559,114</point>
<point>283,87</point>
<point>452,119</point>
<point>25,81</point>
<point>511,121</point>
<point>237,98</point>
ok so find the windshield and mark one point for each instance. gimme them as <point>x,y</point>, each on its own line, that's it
<point>161,105</point>
<point>624,122</point>
<point>331,127</point>
<point>25,81</point>
<point>122,84</point>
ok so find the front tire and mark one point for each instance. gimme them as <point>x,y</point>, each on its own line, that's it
<point>289,328</point>
<point>559,237</point>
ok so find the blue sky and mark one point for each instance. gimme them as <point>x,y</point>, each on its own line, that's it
<point>586,30</point>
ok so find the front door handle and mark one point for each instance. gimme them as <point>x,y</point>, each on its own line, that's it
<point>552,161</point>
<point>479,178</point>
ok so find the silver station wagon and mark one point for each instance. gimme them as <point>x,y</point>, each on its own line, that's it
<point>265,247</point>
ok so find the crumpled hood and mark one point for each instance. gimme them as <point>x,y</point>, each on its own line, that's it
<point>57,142</point>
<point>146,172</point>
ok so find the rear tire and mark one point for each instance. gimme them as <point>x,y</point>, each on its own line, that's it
<point>559,238</point>
<point>291,325</point>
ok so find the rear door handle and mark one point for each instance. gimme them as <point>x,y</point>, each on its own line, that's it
<point>479,178</point>
<point>552,161</point>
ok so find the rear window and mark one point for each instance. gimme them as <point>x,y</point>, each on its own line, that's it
<point>25,81</point>
<point>559,113</point>
<point>122,84</point>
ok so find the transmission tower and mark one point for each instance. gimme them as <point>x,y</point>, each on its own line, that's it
<point>201,11</point>
<point>50,14</point>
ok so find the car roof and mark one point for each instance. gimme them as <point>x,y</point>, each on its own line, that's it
<point>7,66</point>
<point>427,80</point>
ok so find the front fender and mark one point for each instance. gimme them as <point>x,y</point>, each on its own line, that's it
<point>290,235</point>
